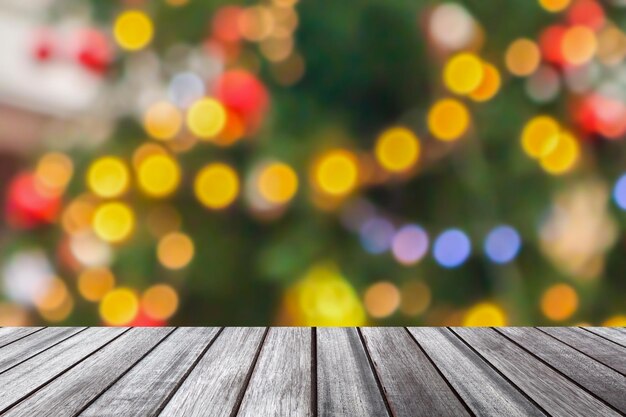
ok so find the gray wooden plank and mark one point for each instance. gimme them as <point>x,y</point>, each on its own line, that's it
<point>483,389</point>
<point>214,386</point>
<point>592,345</point>
<point>406,372</point>
<point>11,334</point>
<point>30,375</point>
<point>552,391</point>
<point>144,389</point>
<point>26,348</point>
<point>281,382</point>
<point>72,391</point>
<point>614,334</point>
<point>595,377</point>
<point>346,385</point>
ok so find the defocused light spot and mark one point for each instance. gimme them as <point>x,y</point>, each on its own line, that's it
<point>175,250</point>
<point>381,299</point>
<point>255,23</point>
<point>489,85</point>
<point>452,248</point>
<point>206,118</point>
<point>540,136</point>
<point>463,73</point>
<point>277,49</point>
<point>579,44</point>
<point>162,120</point>
<point>26,275</point>
<point>336,173</point>
<point>53,296</point>
<point>119,307</point>
<point>158,175</point>
<point>588,13</point>
<point>113,222</point>
<point>13,315</point>
<point>376,235</point>
<point>559,302</point>
<point>397,149</point>
<point>185,88</point>
<point>502,244</point>
<point>451,26</point>
<point>216,186</point>
<point>108,177</point>
<point>544,85</point>
<point>290,70</point>
<point>563,157</point>
<point>554,6</point>
<point>550,42</point>
<point>133,30</point>
<point>522,57</point>
<point>485,314</point>
<point>415,298</point>
<point>448,119</point>
<point>94,283</point>
<point>615,321</point>
<point>54,171</point>
<point>278,183</point>
<point>162,220</point>
<point>159,302</point>
<point>619,192</point>
<point>78,215</point>
<point>410,244</point>
<point>90,250</point>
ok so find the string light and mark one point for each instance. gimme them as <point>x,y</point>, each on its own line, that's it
<point>452,248</point>
<point>397,149</point>
<point>463,73</point>
<point>206,118</point>
<point>113,222</point>
<point>410,244</point>
<point>175,250</point>
<point>336,173</point>
<point>216,186</point>
<point>108,177</point>
<point>448,119</point>
<point>119,307</point>
<point>502,244</point>
<point>133,30</point>
<point>162,120</point>
<point>158,176</point>
<point>559,302</point>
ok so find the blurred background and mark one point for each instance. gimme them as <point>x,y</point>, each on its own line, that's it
<point>398,162</point>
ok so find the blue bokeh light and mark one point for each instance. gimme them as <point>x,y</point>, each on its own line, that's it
<point>376,235</point>
<point>502,244</point>
<point>619,192</point>
<point>452,248</point>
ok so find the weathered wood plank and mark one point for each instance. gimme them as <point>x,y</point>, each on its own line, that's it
<point>75,389</point>
<point>595,377</point>
<point>592,345</point>
<point>214,386</point>
<point>552,391</point>
<point>20,381</point>
<point>613,334</point>
<point>483,389</point>
<point>24,349</point>
<point>281,382</point>
<point>346,385</point>
<point>406,372</point>
<point>11,334</point>
<point>143,390</point>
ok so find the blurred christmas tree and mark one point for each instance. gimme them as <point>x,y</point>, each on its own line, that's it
<point>328,163</point>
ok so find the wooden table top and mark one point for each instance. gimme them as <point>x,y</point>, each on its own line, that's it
<point>376,371</point>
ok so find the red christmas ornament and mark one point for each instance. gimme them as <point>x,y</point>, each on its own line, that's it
<point>243,93</point>
<point>28,205</point>
<point>93,51</point>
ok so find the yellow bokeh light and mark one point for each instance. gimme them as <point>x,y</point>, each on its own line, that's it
<point>463,73</point>
<point>54,171</point>
<point>485,314</point>
<point>615,321</point>
<point>522,57</point>
<point>448,119</point>
<point>158,175</point>
<point>95,283</point>
<point>277,183</point>
<point>397,149</point>
<point>415,298</point>
<point>113,222</point>
<point>119,307</point>
<point>108,177</point>
<point>78,215</point>
<point>489,85</point>
<point>563,157</point>
<point>162,120</point>
<point>559,302</point>
<point>554,6</point>
<point>336,173</point>
<point>133,30</point>
<point>159,302</point>
<point>381,299</point>
<point>540,136</point>
<point>145,151</point>
<point>175,250</point>
<point>53,296</point>
<point>579,44</point>
<point>206,118</point>
<point>216,186</point>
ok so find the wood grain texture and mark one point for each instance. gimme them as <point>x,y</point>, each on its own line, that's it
<point>214,385</point>
<point>281,382</point>
<point>11,334</point>
<point>20,381</point>
<point>26,348</point>
<point>346,385</point>
<point>617,335</point>
<point>483,389</point>
<point>143,390</point>
<point>406,372</point>
<point>72,391</point>
<point>592,345</point>
<point>595,377</point>
<point>552,391</point>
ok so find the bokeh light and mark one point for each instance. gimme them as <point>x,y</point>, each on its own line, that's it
<point>336,173</point>
<point>563,157</point>
<point>540,136</point>
<point>522,57</point>
<point>216,186</point>
<point>554,6</point>
<point>113,222</point>
<point>579,44</point>
<point>559,302</point>
<point>159,302</point>
<point>277,183</point>
<point>206,118</point>
<point>119,307</point>
<point>376,235</point>
<point>448,119</point>
<point>615,321</point>
<point>381,299</point>
<point>133,30</point>
<point>544,85</point>
<point>162,120</point>
<point>397,149</point>
<point>410,244</point>
<point>489,85</point>
<point>54,171</point>
<point>502,244</point>
<point>619,192</point>
<point>415,298</point>
<point>158,175</point>
<point>463,73</point>
<point>175,250</point>
<point>452,248</point>
<point>451,26</point>
<point>95,283</point>
<point>485,314</point>
<point>185,88</point>
<point>108,177</point>
<point>163,219</point>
